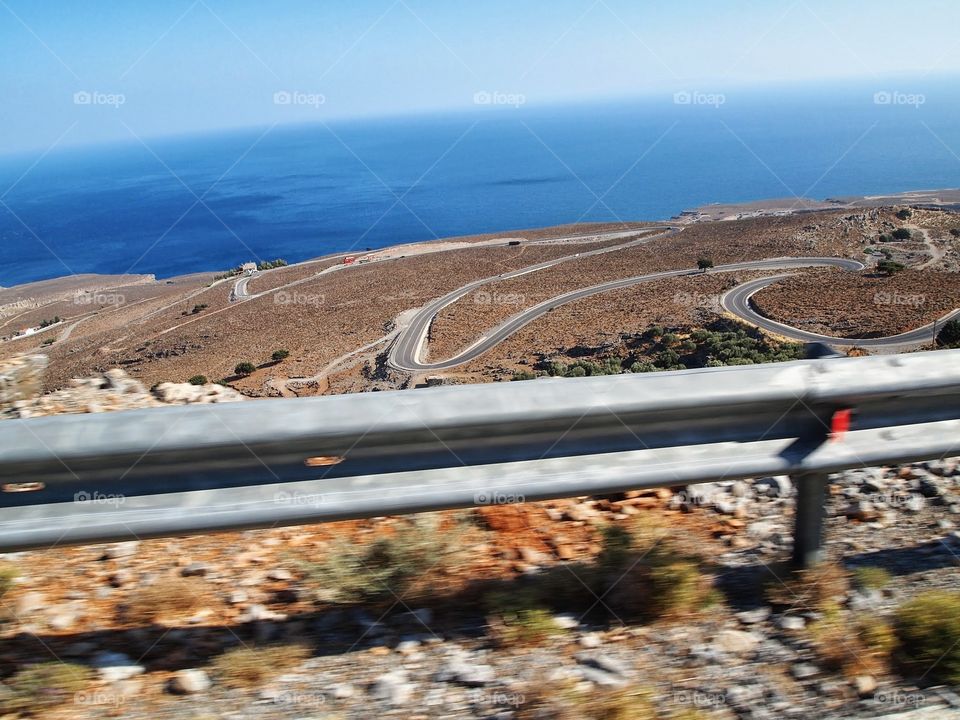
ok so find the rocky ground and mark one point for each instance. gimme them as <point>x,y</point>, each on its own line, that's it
<point>243,625</point>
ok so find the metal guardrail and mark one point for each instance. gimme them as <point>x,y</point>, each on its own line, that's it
<point>179,470</point>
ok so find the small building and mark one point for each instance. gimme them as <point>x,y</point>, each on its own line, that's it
<point>249,268</point>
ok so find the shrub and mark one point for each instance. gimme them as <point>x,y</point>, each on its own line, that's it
<point>199,309</point>
<point>949,336</point>
<point>558,701</point>
<point>43,686</point>
<point>905,214</point>
<point>902,234</point>
<point>249,667</point>
<point>405,564</point>
<point>524,375</point>
<point>8,574</point>
<point>198,380</point>
<point>519,618</point>
<point>244,369</point>
<point>704,264</point>
<point>280,355</point>
<point>169,597</point>
<point>871,578</point>
<point>889,267</point>
<point>886,238</point>
<point>853,647</point>
<point>928,631</point>
<point>814,589</point>
<point>955,232</point>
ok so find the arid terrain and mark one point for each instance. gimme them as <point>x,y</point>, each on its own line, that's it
<point>652,605</point>
<point>335,321</point>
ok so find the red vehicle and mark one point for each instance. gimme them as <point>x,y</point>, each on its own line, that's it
<point>349,260</point>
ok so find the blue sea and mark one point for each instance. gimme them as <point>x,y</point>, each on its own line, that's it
<point>211,202</point>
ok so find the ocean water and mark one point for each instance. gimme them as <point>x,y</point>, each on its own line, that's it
<point>211,202</point>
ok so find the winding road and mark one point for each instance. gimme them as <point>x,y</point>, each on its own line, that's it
<point>406,351</point>
<point>737,301</point>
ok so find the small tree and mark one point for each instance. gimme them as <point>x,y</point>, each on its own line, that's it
<point>949,336</point>
<point>245,368</point>
<point>889,267</point>
<point>198,380</point>
<point>905,214</point>
<point>902,234</point>
<point>280,355</point>
<point>704,264</point>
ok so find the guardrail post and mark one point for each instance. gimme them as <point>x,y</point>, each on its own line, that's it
<point>811,509</point>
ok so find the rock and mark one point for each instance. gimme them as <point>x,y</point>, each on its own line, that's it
<point>735,642</point>
<point>590,640</point>
<point>343,691</point>
<point>62,620</point>
<point>791,622</point>
<point>760,530</point>
<point>566,621</point>
<point>121,550</point>
<point>702,493</point>
<point>603,662</point>
<point>752,617</point>
<point>188,682</point>
<point>113,667</point>
<point>740,489</point>
<point>865,685</point>
<point>601,677</point>
<point>533,557</point>
<point>862,510</point>
<point>915,503</point>
<point>237,597</point>
<point>408,647</point>
<point>802,671</point>
<point>393,688</point>
<point>195,569</point>
<point>775,486</point>
<point>29,602</point>
<point>280,575</point>
<point>461,670</point>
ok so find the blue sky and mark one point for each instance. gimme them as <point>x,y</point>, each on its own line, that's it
<point>175,66</point>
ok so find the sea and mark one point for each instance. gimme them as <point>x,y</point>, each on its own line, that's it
<point>173,206</point>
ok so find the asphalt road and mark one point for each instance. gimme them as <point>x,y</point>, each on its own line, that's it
<point>404,354</point>
<point>737,301</point>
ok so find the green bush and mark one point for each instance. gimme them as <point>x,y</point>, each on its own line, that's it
<point>399,565</point>
<point>902,234</point>
<point>949,336</point>
<point>43,686</point>
<point>704,264</point>
<point>928,631</point>
<point>871,578</point>
<point>889,267</point>
<point>905,214</point>
<point>245,368</point>
<point>523,375</point>
<point>199,309</point>
<point>198,380</point>
<point>280,355</point>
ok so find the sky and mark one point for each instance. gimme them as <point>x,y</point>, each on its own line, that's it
<point>96,71</point>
